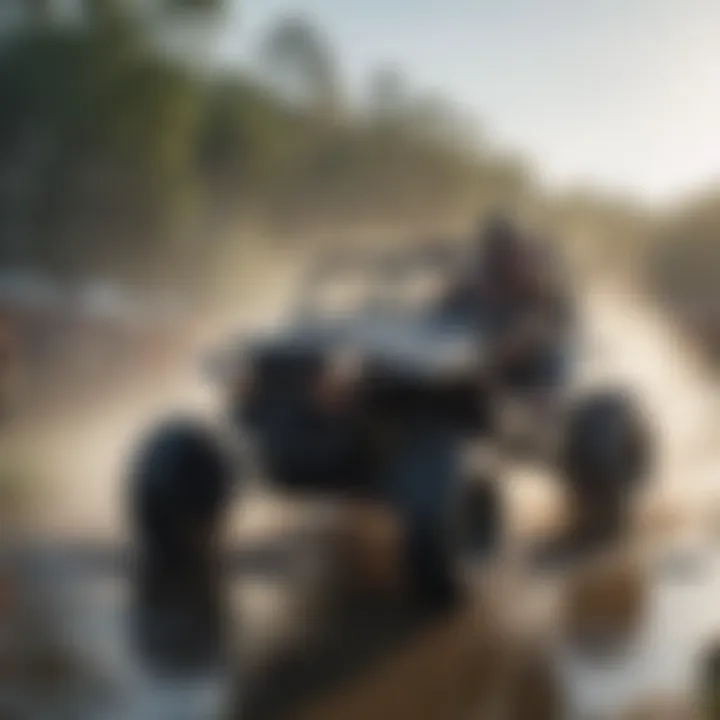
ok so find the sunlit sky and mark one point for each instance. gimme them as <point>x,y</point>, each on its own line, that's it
<point>624,94</point>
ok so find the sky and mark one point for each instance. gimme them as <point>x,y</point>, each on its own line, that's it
<point>620,94</point>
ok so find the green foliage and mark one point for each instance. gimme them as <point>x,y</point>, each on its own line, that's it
<point>124,160</point>
<point>110,127</point>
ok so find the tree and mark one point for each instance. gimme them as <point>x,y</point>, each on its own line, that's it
<point>194,6</point>
<point>298,63</point>
<point>107,126</point>
<point>40,11</point>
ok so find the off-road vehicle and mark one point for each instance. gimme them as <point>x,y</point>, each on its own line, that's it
<point>372,390</point>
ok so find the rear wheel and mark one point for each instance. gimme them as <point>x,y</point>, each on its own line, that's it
<point>606,457</point>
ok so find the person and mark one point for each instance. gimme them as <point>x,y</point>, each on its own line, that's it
<point>523,305</point>
<point>518,296</point>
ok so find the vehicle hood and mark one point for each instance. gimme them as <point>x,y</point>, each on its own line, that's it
<point>411,343</point>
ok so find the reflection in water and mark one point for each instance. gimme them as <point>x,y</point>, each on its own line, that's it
<point>179,619</point>
<point>605,605</point>
<point>535,690</point>
<point>667,654</point>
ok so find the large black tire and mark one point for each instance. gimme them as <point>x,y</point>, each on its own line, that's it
<point>606,454</point>
<point>180,486</point>
<point>446,520</point>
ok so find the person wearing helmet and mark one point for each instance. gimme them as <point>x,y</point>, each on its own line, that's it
<point>498,277</point>
<point>519,299</point>
<point>530,317</point>
<point>521,304</point>
<point>480,281</point>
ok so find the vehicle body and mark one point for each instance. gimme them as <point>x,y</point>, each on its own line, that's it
<point>377,398</point>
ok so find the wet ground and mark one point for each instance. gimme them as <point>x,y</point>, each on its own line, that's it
<point>286,652</point>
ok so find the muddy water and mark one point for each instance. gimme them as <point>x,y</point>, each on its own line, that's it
<point>630,343</point>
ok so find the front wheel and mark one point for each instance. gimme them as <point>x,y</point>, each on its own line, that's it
<point>179,487</point>
<point>447,520</point>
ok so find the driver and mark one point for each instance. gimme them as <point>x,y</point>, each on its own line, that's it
<point>519,299</point>
<point>523,306</point>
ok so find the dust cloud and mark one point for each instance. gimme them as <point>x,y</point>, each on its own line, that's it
<point>627,342</point>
